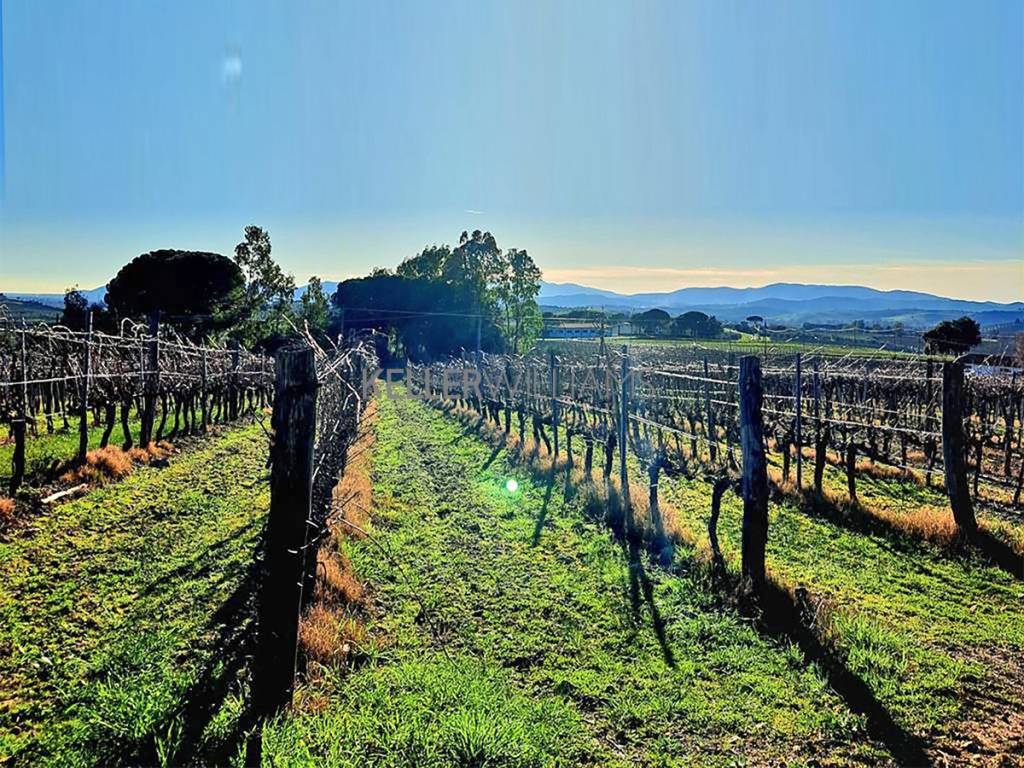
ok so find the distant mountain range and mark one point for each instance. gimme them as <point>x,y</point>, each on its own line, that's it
<point>792,304</point>
<point>787,303</point>
<point>94,296</point>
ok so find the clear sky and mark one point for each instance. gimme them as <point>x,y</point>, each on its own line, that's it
<point>627,145</point>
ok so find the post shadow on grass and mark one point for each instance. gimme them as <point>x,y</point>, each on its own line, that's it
<point>232,626</point>
<point>235,624</point>
<point>542,516</point>
<point>494,455</point>
<point>789,616</point>
<point>192,568</point>
<point>641,590</point>
<point>856,518</point>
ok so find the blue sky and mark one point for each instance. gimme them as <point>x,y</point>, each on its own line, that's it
<point>627,145</point>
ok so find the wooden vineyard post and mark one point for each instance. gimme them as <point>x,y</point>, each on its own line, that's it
<point>710,416</point>
<point>233,395</point>
<point>799,426</point>
<point>83,415</point>
<point>755,475</point>
<point>554,397</point>
<point>150,381</point>
<point>18,425</point>
<point>203,406</point>
<point>819,443</point>
<point>291,490</point>
<point>623,438</point>
<point>954,447</point>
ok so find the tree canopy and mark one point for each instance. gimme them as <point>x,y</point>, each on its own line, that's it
<point>478,278</point>
<point>428,317</point>
<point>953,336</point>
<point>195,291</point>
<point>76,310</point>
<point>651,322</point>
<point>697,325</point>
<point>268,292</point>
<point>315,307</point>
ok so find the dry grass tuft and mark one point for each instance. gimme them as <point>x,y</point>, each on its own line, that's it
<point>329,636</point>
<point>337,584</point>
<point>138,455</point>
<point>6,510</point>
<point>113,463</point>
<point>102,464</point>
<point>353,495</point>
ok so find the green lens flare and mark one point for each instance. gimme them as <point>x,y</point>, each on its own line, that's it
<point>511,485</point>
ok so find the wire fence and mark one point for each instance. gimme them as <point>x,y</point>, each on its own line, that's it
<point>57,380</point>
<point>682,410</point>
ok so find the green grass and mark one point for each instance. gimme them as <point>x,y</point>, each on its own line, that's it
<point>123,614</point>
<point>515,632</point>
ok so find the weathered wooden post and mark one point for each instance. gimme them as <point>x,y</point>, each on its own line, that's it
<point>799,425</point>
<point>204,408</point>
<point>954,447</point>
<point>710,416</point>
<point>552,363</point>
<point>150,381</point>
<point>83,415</point>
<point>755,475</point>
<point>291,491</point>
<point>624,438</point>
<point>18,425</point>
<point>233,395</point>
<point>820,437</point>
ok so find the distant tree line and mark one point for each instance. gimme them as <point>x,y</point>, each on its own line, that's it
<point>435,303</point>
<point>692,324</point>
<point>444,299</point>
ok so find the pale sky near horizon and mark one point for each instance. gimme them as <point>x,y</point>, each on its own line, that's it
<point>634,146</point>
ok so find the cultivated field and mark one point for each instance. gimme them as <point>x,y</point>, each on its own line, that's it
<point>476,587</point>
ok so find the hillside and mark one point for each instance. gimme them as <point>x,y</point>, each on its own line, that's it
<point>29,311</point>
<point>794,303</point>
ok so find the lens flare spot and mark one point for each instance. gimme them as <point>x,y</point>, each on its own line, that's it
<point>511,485</point>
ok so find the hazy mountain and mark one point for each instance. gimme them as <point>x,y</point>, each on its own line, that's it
<point>549,290</point>
<point>789,303</point>
<point>794,303</point>
<point>93,296</point>
<point>29,311</point>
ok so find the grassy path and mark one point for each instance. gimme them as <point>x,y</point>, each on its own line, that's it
<point>511,630</point>
<point>122,613</point>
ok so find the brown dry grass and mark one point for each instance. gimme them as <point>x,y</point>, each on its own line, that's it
<point>329,636</point>
<point>331,632</point>
<point>928,523</point>
<point>6,510</point>
<point>337,583</point>
<point>113,463</point>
